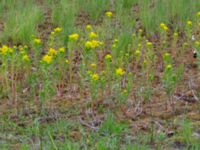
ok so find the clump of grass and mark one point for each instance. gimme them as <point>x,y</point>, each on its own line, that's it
<point>21,21</point>
<point>175,13</point>
<point>95,8</point>
<point>64,15</point>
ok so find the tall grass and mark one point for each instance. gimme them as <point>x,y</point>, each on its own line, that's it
<point>21,20</point>
<point>64,15</point>
<point>94,8</point>
<point>175,13</point>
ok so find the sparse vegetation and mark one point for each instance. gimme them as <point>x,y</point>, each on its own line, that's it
<point>99,74</point>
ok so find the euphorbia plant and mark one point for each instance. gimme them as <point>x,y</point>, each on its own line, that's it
<point>45,86</point>
<point>170,78</point>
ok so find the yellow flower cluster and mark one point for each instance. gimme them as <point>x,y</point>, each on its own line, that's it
<point>175,34</point>
<point>93,65</point>
<point>92,44</point>
<point>109,14</point>
<point>197,43</point>
<point>37,41</point>
<point>108,57</point>
<point>149,44</point>
<point>61,50</point>
<point>137,53</point>
<point>25,58</point>
<point>164,26</point>
<point>57,30</point>
<point>169,66</point>
<point>52,52</point>
<point>198,14</point>
<point>119,71</point>
<point>66,61</point>
<point>4,49</point>
<point>166,55</point>
<point>95,76</point>
<point>88,27</point>
<point>47,58</point>
<point>93,35</point>
<point>73,37</point>
<point>189,23</point>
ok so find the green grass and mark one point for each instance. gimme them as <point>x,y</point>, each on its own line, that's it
<point>21,21</point>
<point>174,13</point>
<point>122,89</point>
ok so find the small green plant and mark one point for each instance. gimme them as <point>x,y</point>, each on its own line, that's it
<point>185,135</point>
<point>170,78</point>
<point>111,138</point>
<point>94,8</point>
<point>19,29</point>
<point>15,66</point>
<point>63,15</point>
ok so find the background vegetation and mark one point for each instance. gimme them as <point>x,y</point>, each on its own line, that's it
<point>99,74</point>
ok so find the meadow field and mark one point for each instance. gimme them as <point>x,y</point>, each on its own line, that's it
<point>99,74</point>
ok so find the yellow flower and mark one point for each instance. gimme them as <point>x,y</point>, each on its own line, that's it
<point>169,66</point>
<point>114,46</point>
<point>95,77</point>
<point>116,41</point>
<point>88,44</point>
<point>93,35</point>
<point>52,33</point>
<point>197,43</point>
<point>61,50</point>
<point>73,37</point>
<point>189,23</point>
<point>140,30</point>
<point>109,14</point>
<point>145,62</point>
<point>137,52</point>
<point>124,91</point>
<point>166,54</point>
<point>108,56</point>
<point>175,34</point>
<point>149,44</point>
<point>47,59</point>
<point>93,65</point>
<point>96,43</point>
<point>66,61</point>
<point>52,52</point>
<point>93,44</point>
<point>119,71</point>
<point>25,57</point>
<point>4,49</point>
<point>185,44</point>
<point>198,14</point>
<point>37,41</point>
<point>57,30</point>
<point>163,26</point>
<point>89,27</point>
